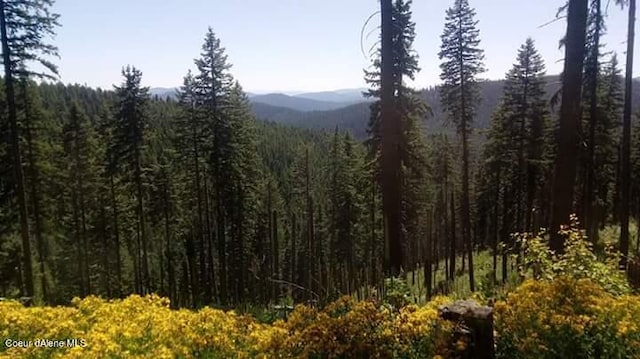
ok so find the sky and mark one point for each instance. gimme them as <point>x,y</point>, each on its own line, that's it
<point>290,45</point>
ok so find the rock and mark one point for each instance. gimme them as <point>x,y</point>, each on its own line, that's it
<point>474,328</point>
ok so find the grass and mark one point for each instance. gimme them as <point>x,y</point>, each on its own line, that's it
<point>611,234</point>
<point>483,270</point>
<point>460,288</point>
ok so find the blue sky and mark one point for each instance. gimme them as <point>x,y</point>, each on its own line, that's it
<point>288,45</point>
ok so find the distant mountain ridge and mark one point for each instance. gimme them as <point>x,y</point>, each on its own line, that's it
<point>341,96</point>
<point>296,102</point>
<point>355,118</point>
<point>309,101</point>
<point>347,111</point>
<point>163,92</point>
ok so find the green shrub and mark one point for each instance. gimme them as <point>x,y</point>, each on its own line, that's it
<point>578,261</point>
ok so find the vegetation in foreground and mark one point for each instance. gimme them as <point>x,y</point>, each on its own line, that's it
<point>573,305</point>
<point>559,318</point>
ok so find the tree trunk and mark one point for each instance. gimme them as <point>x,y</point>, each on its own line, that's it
<point>570,114</point>
<point>428,265</point>
<point>17,157</point>
<point>496,226</point>
<point>625,182</point>
<point>207,269</point>
<point>85,241</point>
<point>145,281</point>
<point>116,234</point>
<point>293,269</point>
<point>505,232</point>
<point>452,261</point>
<point>35,195</point>
<point>466,215</point>
<point>466,207</point>
<point>276,254</point>
<point>77,232</point>
<point>522,212</point>
<point>200,231</point>
<point>168,247</point>
<point>390,146</point>
<point>105,246</point>
<point>373,255</point>
<point>588,205</point>
<point>310,229</point>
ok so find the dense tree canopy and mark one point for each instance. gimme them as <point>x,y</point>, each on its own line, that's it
<point>114,192</point>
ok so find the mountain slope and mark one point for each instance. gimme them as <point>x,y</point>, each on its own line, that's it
<point>163,92</point>
<point>296,103</point>
<point>346,96</point>
<point>355,117</point>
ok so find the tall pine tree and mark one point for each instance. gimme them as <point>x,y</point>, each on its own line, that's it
<point>462,63</point>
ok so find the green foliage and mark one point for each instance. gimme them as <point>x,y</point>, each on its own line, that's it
<point>408,154</point>
<point>578,261</point>
<point>397,292</point>
<point>516,157</point>
<point>460,39</point>
<point>28,25</point>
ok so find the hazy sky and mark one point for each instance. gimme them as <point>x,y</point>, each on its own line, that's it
<point>288,45</point>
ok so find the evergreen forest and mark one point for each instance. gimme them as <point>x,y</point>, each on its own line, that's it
<point>211,200</point>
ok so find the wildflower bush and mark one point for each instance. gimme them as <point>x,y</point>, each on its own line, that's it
<point>145,327</point>
<point>133,327</point>
<point>567,318</point>
<point>573,305</point>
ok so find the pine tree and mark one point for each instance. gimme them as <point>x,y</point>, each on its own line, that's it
<point>78,148</point>
<point>347,211</point>
<point>128,144</point>
<point>243,174</point>
<point>213,84</point>
<point>36,124</point>
<point>163,204</point>
<point>459,93</point>
<point>190,138</point>
<point>606,143</point>
<point>393,122</point>
<point>527,110</point>
<point>389,135</point>
<point>635,179</point>
<point>23,28</point>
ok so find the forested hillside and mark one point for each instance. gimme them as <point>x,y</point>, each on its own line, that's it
<point>195,198</point>
<point>354,118</point>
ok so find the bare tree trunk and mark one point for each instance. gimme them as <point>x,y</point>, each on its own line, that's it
<point>570,111</point>
<point>452,261</point>
<point>589,188</point>
<point>625,182</point>
<point>200,231</point>
<point>276,253</point>
<point>390,147</point>
<point>428,265</point>
<point>116,234</point>
<point>35,195</point>
<point>145,280</point>
<point>105,247</point>
<point>496,226</point>
<point>310,228</point>
<point>169,248</point>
